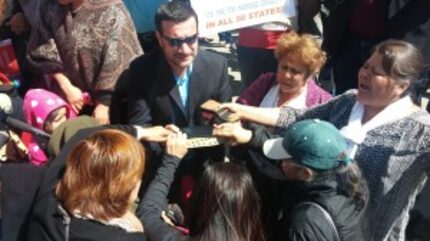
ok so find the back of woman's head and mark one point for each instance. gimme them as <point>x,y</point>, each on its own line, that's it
<point>101,172</point>
<point>400,60</point>
<point>225,206</point>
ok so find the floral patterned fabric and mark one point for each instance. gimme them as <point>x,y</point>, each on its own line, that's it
<point>91,45</point>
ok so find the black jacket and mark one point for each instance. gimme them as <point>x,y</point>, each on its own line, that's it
<point>47,222</point>
<point>154,98</point>
<point>155,201</point>
<point>307,222</point>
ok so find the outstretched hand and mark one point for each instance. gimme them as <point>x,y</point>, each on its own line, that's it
<point>234,133</point>
<point>155,133</point>
<point>238,110</point>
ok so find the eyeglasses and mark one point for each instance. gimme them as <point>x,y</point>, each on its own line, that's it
<point>177,42</point>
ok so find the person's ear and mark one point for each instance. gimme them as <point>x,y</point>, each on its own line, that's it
<point>402,87</point>
<point>306,174</point>
<point>158,35</point>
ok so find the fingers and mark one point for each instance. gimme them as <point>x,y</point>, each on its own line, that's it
<point>173,128</point>
<point>176,145</point>
<point>223,130</point>
<point>77,105</point>
<point>177,138</point>
<point>233,107</point>
<point>166,219</point>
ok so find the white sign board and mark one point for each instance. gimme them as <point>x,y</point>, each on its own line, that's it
<point>223,15</point>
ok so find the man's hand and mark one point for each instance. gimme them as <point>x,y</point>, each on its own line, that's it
<point>234,133</point>
<point>176,145</point>
<point>156,133</point>
<point>101,113</point>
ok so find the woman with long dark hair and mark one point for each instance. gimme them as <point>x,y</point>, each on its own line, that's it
<point>223,206</point>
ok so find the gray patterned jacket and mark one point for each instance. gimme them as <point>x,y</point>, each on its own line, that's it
<point>394,158</point>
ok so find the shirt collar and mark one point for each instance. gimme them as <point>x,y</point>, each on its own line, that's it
<point>180,80</point>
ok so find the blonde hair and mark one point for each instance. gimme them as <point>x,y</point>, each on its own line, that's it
<point>304,48</point>
<point>101,173</point>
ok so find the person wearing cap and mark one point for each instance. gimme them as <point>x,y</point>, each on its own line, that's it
<point>333,204</point>
<point>388,134</point>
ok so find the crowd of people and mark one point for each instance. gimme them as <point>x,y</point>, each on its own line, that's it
<point>109,143</point>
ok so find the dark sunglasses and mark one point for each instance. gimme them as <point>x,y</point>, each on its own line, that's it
<point>176,42</point>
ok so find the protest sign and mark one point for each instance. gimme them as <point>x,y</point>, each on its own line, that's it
<point>223,15</point>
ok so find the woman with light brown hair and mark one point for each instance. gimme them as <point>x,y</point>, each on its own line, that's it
<point>92,199</point>
<point>299,60</point>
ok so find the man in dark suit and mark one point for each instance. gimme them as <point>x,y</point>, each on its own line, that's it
<point>168,85</point>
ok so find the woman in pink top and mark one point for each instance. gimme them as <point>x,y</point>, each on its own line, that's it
<point>299,60</point>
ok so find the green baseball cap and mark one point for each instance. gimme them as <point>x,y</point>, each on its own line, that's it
<point>312,143</point>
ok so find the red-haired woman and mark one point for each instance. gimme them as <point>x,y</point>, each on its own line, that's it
<point>92,198</point>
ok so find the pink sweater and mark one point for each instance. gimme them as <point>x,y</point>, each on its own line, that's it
<point>254,94</point>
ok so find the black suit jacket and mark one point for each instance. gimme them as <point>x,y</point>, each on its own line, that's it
<point>154,97</point>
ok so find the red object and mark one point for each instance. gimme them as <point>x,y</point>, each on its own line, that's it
<point>188,183</point>
<point>369,17</point>
<point>87,98</point>
<point>26,138</point>
<point>8,62</point>
<point>4,79</point>
<point>258,38</point>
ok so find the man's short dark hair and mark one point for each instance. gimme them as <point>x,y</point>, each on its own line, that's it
<point>175,11</point>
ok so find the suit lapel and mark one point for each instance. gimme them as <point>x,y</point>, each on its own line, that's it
<point>197,84</point>
<point>168,82</point>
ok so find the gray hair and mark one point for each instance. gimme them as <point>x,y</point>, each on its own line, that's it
<point>401,60</point>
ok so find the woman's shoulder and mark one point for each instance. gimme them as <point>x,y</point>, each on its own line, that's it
<point>342,101</point>
<point>316,94</point>
<point>421,117</point>
<point>256,91</point>
<point>419,124</point>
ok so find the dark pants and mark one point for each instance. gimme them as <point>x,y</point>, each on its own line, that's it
<point>349,59</point>
<point>255,61</point>
<point>20,182</point>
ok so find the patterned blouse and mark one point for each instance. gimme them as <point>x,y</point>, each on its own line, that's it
<point>91,45</point>
<point>394,158</point>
